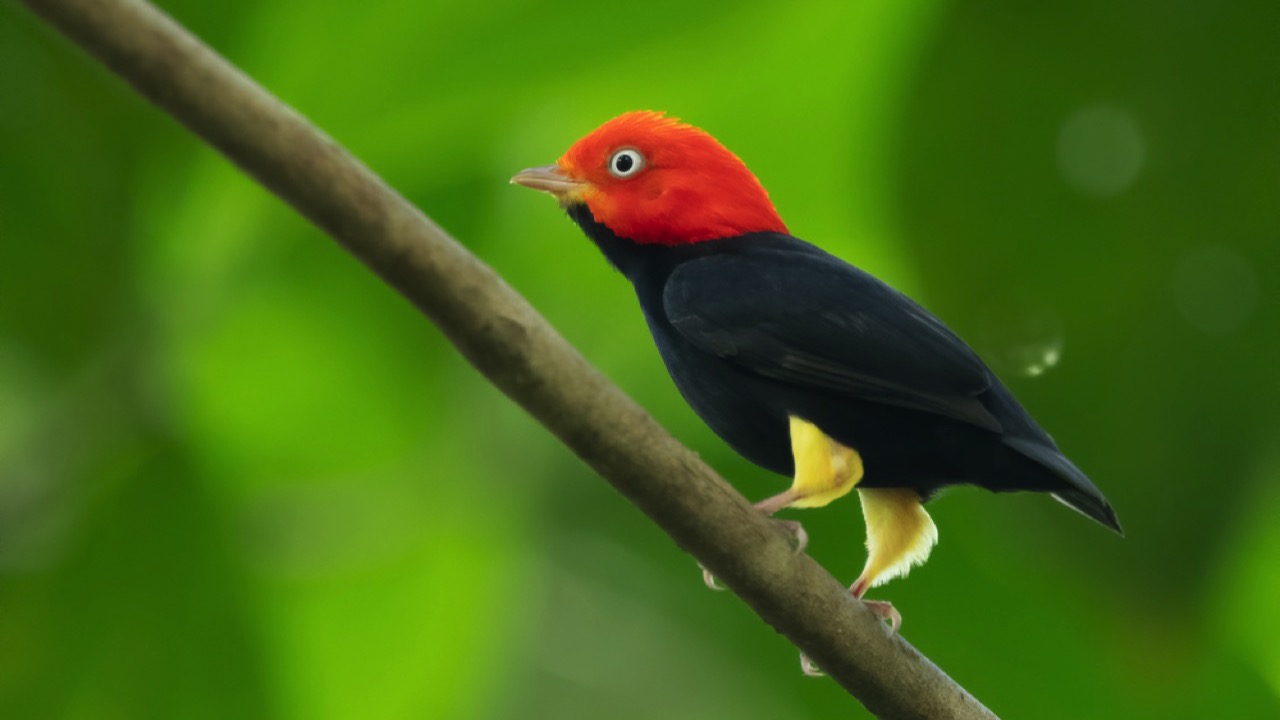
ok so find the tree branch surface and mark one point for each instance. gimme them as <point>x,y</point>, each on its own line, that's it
<point>506,339</point>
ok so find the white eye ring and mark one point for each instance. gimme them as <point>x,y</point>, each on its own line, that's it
<point>625,163</point>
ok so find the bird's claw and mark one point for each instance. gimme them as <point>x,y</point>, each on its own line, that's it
<point>882,609</point>
<point>885,610</point>
<point>710,580</point>
<point>808,667</point>
<point>795,533</point>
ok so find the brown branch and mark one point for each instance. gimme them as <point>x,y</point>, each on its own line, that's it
<point>516,349</point>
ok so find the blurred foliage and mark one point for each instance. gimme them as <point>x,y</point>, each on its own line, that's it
<point>241,478</point>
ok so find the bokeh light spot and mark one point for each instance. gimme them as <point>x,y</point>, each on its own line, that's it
<point>1100,150</point>
<point>1215,289</point>
<point>1021,339</point>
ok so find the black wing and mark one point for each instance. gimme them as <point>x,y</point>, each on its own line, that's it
<point>786,310</point>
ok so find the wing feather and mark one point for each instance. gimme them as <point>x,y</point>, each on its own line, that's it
<point>793,313</point>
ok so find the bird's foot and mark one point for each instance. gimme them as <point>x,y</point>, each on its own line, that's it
<point>808,667</point>
<point>770,505</point>
<point>795,533</point>
<point>710,580</point>
<point>885,610</point>
<point>882,609</point>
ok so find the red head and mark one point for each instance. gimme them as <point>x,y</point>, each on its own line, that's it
<point>654,179</point>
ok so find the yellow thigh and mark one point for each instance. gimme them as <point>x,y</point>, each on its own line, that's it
<point>825,469</point>
<point>900,533</point>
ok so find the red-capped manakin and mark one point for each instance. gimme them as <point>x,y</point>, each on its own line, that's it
<point>804,364</point>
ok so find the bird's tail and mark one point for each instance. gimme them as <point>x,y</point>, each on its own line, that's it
<point>1093,506</point>
<point>1080,494</point>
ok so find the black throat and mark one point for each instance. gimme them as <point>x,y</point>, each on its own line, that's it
<point>642,263</point>
<point>625,256</point>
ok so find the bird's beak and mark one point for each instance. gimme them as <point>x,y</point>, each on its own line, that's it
<point>551,179</point>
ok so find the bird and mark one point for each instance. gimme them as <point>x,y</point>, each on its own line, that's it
<point>801,362</point>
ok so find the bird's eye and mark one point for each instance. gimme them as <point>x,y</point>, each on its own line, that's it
<point>625,163</point>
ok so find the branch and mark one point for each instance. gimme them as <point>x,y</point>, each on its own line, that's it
<point>516,349</point>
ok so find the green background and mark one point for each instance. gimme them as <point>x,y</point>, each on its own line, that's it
<point>239,477</point>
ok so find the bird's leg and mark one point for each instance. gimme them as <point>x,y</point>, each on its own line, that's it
<point>825,471</point>
<point>774,503</point>
<point>900,534</point>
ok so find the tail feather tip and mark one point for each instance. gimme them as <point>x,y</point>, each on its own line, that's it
<point>1095,508</point>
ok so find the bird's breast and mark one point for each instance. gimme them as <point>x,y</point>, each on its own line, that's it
<point>740,407</point>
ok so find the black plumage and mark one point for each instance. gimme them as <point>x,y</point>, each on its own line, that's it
<point>762,326</point>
